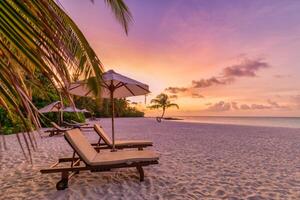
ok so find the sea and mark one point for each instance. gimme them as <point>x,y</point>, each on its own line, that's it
<point>289,122</point>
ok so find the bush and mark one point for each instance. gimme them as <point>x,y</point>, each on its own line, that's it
<point>12,124</point>
<point>103,108</point>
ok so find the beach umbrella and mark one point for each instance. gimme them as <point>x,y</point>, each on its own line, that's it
<point>57,106</point>
<point>72,109</point>
<point>114,85</point>
<point>53,107</point>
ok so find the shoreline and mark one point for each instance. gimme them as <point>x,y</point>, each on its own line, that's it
<point>256,121</point>
<point>229,124</point>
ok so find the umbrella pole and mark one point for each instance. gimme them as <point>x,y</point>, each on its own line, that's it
<point>112,117</point>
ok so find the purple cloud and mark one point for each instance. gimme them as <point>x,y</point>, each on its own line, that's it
<point>247,68</point>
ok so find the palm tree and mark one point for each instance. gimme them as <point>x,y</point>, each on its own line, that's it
<point>38,36</point>
<point>162,101</point>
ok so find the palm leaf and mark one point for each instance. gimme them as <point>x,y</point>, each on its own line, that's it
<point>38,35</point>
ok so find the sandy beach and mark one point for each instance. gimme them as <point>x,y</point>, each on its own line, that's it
<point>197,161</point>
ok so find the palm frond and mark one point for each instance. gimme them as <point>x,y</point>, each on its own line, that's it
<point>155,106</point>
<point>38,35</point>
<point>121,12</point>
<point>172,105</point>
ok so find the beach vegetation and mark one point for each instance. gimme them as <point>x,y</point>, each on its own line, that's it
<point>39,36</point>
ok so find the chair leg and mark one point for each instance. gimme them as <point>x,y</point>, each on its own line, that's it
<point>77,164</point>
<point>141,172</point>
<point>63,183</point>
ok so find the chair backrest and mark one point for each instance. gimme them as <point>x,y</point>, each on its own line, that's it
<point>99,130</point>
<point>81,145</point>
<point>56,126</point>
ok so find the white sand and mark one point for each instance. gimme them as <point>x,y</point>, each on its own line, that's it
<point>197,161</point>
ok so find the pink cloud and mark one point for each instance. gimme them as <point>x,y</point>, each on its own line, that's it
<point>175,90</point>
<point>195,95</point>
<point>219,107</point>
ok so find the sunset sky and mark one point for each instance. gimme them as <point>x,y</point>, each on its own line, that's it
<point>213,57</point>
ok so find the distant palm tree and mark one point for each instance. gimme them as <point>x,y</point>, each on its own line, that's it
<point>162,101</point>
<point>38,36</point>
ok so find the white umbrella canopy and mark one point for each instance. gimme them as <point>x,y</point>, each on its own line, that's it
<point>122,86</point>
<point>114,86</point>
<point>53,107</point>
<point>72,109</point>
<point>58,107</point>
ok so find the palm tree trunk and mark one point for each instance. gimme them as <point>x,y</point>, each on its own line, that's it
<point>163,113</point>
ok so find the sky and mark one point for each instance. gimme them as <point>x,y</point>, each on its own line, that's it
<point>216,57</point>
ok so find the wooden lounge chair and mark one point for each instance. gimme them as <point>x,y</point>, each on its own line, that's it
<point>119,144</point>
<point>89,159</point>
<point>56,130</point>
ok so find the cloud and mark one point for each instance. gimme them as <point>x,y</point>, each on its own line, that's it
<point>274,104</point>
<point>245,107</point>
<point>259,107</point>
<point>195,95</point>
<point>173,96</point>
<point>246,68</point>
<point>203,83</point>
<point>175,90</point>
<point>219,107</point>
<point>225,106</point>
<point>234,105</point>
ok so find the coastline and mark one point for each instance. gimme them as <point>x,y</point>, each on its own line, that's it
<point>197,161</point>
<point>287,122</point>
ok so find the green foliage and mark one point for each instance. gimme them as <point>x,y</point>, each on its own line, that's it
<point>40,98</point>
<point>103,108</point>
<point>12,124</point>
